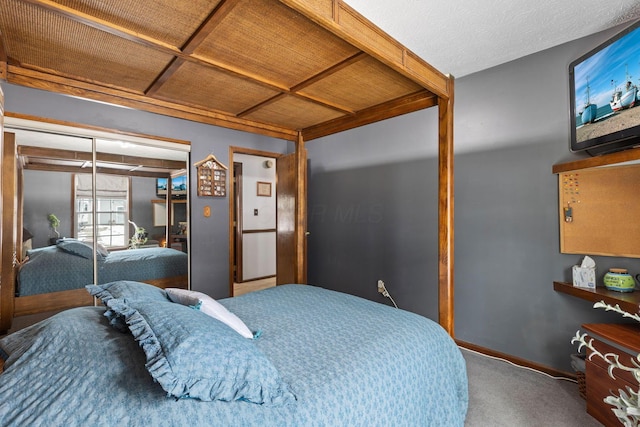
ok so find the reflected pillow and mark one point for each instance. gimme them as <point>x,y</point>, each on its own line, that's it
<point>210,307</point>
<point>76,247</point>
<point>100,248</point>
<point>192,355</point>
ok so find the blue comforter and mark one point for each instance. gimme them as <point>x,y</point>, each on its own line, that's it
<point>349,361</point>
<point>51,269</point>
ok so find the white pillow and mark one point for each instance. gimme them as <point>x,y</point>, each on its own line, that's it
<point>210,307</point>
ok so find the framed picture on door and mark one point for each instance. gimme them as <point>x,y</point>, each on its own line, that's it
<point>264,189</point>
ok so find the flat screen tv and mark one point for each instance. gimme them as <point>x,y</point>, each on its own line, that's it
<point>178,187</point>
<point>605,95</point>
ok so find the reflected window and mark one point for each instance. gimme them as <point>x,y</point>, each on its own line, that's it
<point>111,207</point>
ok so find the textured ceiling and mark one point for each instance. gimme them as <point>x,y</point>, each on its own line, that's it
<point>460,37</point>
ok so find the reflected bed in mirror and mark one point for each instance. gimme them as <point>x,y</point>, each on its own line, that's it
<point>68,265</point>
<point>101,205</point>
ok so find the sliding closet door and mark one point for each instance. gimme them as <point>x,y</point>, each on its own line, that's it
<point>52,182</point>
<point>133,182</point>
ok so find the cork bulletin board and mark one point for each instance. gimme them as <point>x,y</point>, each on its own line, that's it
<point>600,211</point>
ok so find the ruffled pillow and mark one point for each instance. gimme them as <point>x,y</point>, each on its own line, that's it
<point>126,290</point>
<point>210,307</point>
<point>192,355</point>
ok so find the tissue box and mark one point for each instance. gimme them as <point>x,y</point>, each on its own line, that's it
<point>584,277</point>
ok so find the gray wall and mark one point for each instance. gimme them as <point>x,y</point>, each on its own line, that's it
<point>44,193</point>
<point>143,190</point>
<point>209,236</point>
<point>373,212</point>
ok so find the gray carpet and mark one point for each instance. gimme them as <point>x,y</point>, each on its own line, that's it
<point>501,394</point>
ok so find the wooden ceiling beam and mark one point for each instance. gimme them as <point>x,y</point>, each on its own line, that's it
<point>209,25</point>
<point>173,66</point>
<point>205,29</point>
<point>56,154</point>
<point>321,75</point>
<point>295,90</point>
<point>323,103</point>
<point>52,153</point>
<point>345,22</point>
<point>331,70</point>
<point>39,80</point>
<point>397,107</point>
<point>261,105</point>
<point>106,171</point>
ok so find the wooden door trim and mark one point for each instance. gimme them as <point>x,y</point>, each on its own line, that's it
<point>286,245</point>
<point>301,210</point>
<point>249,151</point>
<point>238,228</point>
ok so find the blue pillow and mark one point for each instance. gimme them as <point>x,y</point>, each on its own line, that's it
<point>76,247</point>
<point>128,291</point>
<point>192,355</point>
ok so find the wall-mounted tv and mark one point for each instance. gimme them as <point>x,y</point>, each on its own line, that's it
<point>178,187</point>
<point>605,95</point>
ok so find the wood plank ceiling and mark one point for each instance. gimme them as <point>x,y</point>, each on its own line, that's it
<point>266,66</point>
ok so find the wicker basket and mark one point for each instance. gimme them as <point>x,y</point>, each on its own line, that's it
<point>582,384</point>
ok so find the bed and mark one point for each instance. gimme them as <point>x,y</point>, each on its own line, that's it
<point>296,70</point>
<point>336,360</point>
<point>69,265</point>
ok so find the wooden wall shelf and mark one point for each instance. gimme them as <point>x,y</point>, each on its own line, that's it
<point>628,301</point>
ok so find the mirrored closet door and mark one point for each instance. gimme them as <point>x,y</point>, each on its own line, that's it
<point>94,195</point>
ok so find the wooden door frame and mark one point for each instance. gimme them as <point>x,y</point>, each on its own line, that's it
<point>301,210</point>
<point>232,247</point>
<point>236,221</point>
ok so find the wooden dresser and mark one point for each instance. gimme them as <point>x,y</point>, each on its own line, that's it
<point>622,339</point>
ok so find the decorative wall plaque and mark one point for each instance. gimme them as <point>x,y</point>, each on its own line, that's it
<point>212,177</point>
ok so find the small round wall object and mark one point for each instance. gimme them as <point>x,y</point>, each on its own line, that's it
<point>619,279</point>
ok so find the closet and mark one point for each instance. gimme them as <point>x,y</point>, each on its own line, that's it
<point>99,186</point>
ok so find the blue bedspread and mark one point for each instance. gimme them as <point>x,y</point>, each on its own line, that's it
<point>349,361</point>
<point>51,269</point>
